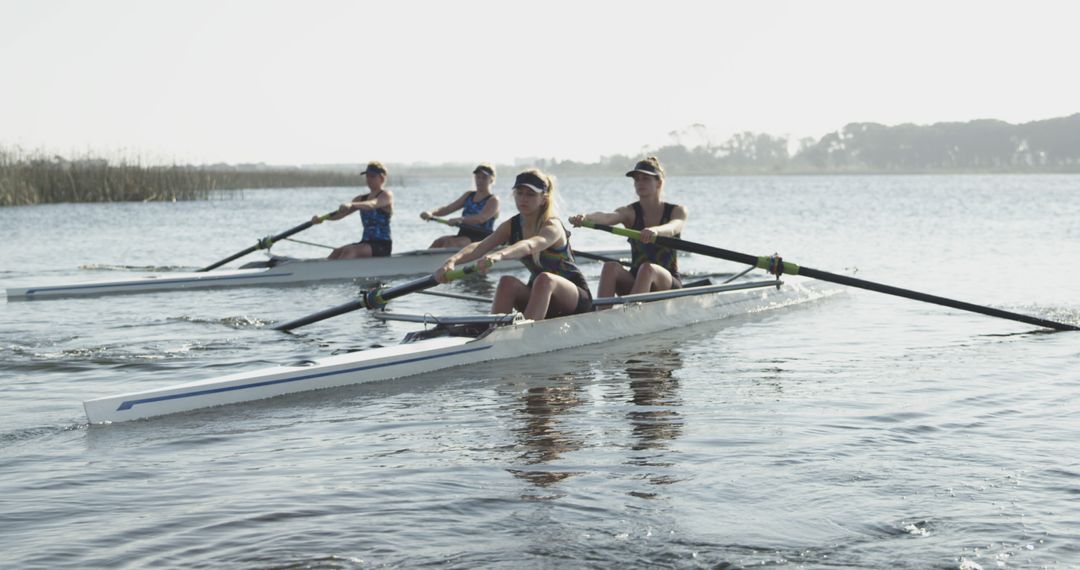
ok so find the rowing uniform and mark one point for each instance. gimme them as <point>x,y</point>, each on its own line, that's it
<point>559,261</point>
<point>650,252</point>
<point>472,208</point>
<point>376,229</point>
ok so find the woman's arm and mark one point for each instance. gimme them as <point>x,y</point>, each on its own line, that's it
<point>451,207</point>
<point>624,216</point>
<point>551,234</point>
<point>475,250</point>
<point>385,199</point>
<point>672,228</point>
<point>491,209</point>
<point>343,210</point>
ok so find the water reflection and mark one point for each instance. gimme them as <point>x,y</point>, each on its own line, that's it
<point>551,421</point>
<point>543,435</point>
<point>477,285</point>
<point>654,390</point>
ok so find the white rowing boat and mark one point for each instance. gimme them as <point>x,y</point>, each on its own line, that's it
<point>289,271</point>
<point>456,342</point>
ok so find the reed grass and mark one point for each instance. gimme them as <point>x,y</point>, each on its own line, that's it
<point>35,178</point>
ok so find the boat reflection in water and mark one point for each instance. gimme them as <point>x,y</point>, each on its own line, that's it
<point>556,420</point>
<point>544,436</point>
<point>654,389</point>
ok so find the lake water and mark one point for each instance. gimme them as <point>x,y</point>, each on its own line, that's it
<point>858,431</point>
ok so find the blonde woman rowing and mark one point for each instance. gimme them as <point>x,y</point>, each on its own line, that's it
<point>536,237</point>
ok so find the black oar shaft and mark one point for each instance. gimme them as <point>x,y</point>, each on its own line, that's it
<point>263,243</point>
<point>383,296</point>
<point>376,298</point>
<point>322,315</point>
<point>595,257</point>
<point>793,269</point>
<point>934,299</point>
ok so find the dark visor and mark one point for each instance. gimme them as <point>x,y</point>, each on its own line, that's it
<point>530,179</point>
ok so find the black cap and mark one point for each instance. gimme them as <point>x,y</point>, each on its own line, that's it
<point>645,167</point>
<point>485,168</point>
<point>531,180</point>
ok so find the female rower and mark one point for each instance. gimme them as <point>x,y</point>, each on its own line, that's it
<point>653,267</point>
<point>375,209</point>
<point>479,208</point>
<point>536,237</point>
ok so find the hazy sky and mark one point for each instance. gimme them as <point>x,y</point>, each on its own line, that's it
<point>458,80</point>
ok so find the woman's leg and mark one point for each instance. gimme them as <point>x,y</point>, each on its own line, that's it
<point>614,278</point>
<point>651,277</point>
<point>550,291</point>
<point>450,241</point>
<point>351,251</point>
<point>510,294</point>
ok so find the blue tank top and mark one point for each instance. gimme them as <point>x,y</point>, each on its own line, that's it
<point>376,223</point>
<point>472,208</point>
<point>650,252</point>
<point>559,261</point>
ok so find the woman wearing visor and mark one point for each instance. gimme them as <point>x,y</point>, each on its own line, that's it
<point>536,237</point>
<point>376,207</point>
<point>479,208</point>
<point>653,267</point>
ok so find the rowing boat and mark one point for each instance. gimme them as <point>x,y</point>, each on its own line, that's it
<point>458,341</point>
<point>284,271</point>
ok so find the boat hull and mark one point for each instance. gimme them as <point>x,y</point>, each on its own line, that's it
<point>520,339</point>
<point>417,262</point>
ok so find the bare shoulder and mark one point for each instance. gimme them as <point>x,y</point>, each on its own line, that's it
<point>553,229</point>
<point>503,229</point>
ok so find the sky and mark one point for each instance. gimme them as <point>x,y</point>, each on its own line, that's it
<point>327,82</point>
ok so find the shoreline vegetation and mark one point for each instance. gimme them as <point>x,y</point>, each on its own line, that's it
<point>984,146</point>
<point>36,178</point>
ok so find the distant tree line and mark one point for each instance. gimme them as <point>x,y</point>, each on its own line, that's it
<point>987,145</point>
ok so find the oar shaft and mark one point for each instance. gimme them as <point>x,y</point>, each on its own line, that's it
<point>933,299</point>
<point>793,269</point>
<point>595,257</point>
<point>322,315</point>
<point>376,298</point>
<point>679,244</point>
<point>265,243</point>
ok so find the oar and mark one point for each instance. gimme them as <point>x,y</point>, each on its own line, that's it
<point>776,265</point>
<point>377,298</point>
<point>266,242</point>
<point>481,230</point>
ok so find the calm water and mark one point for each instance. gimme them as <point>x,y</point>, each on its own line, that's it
<point>859,431</point>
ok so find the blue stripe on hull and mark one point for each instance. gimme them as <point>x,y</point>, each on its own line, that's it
<point>129,404</point>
